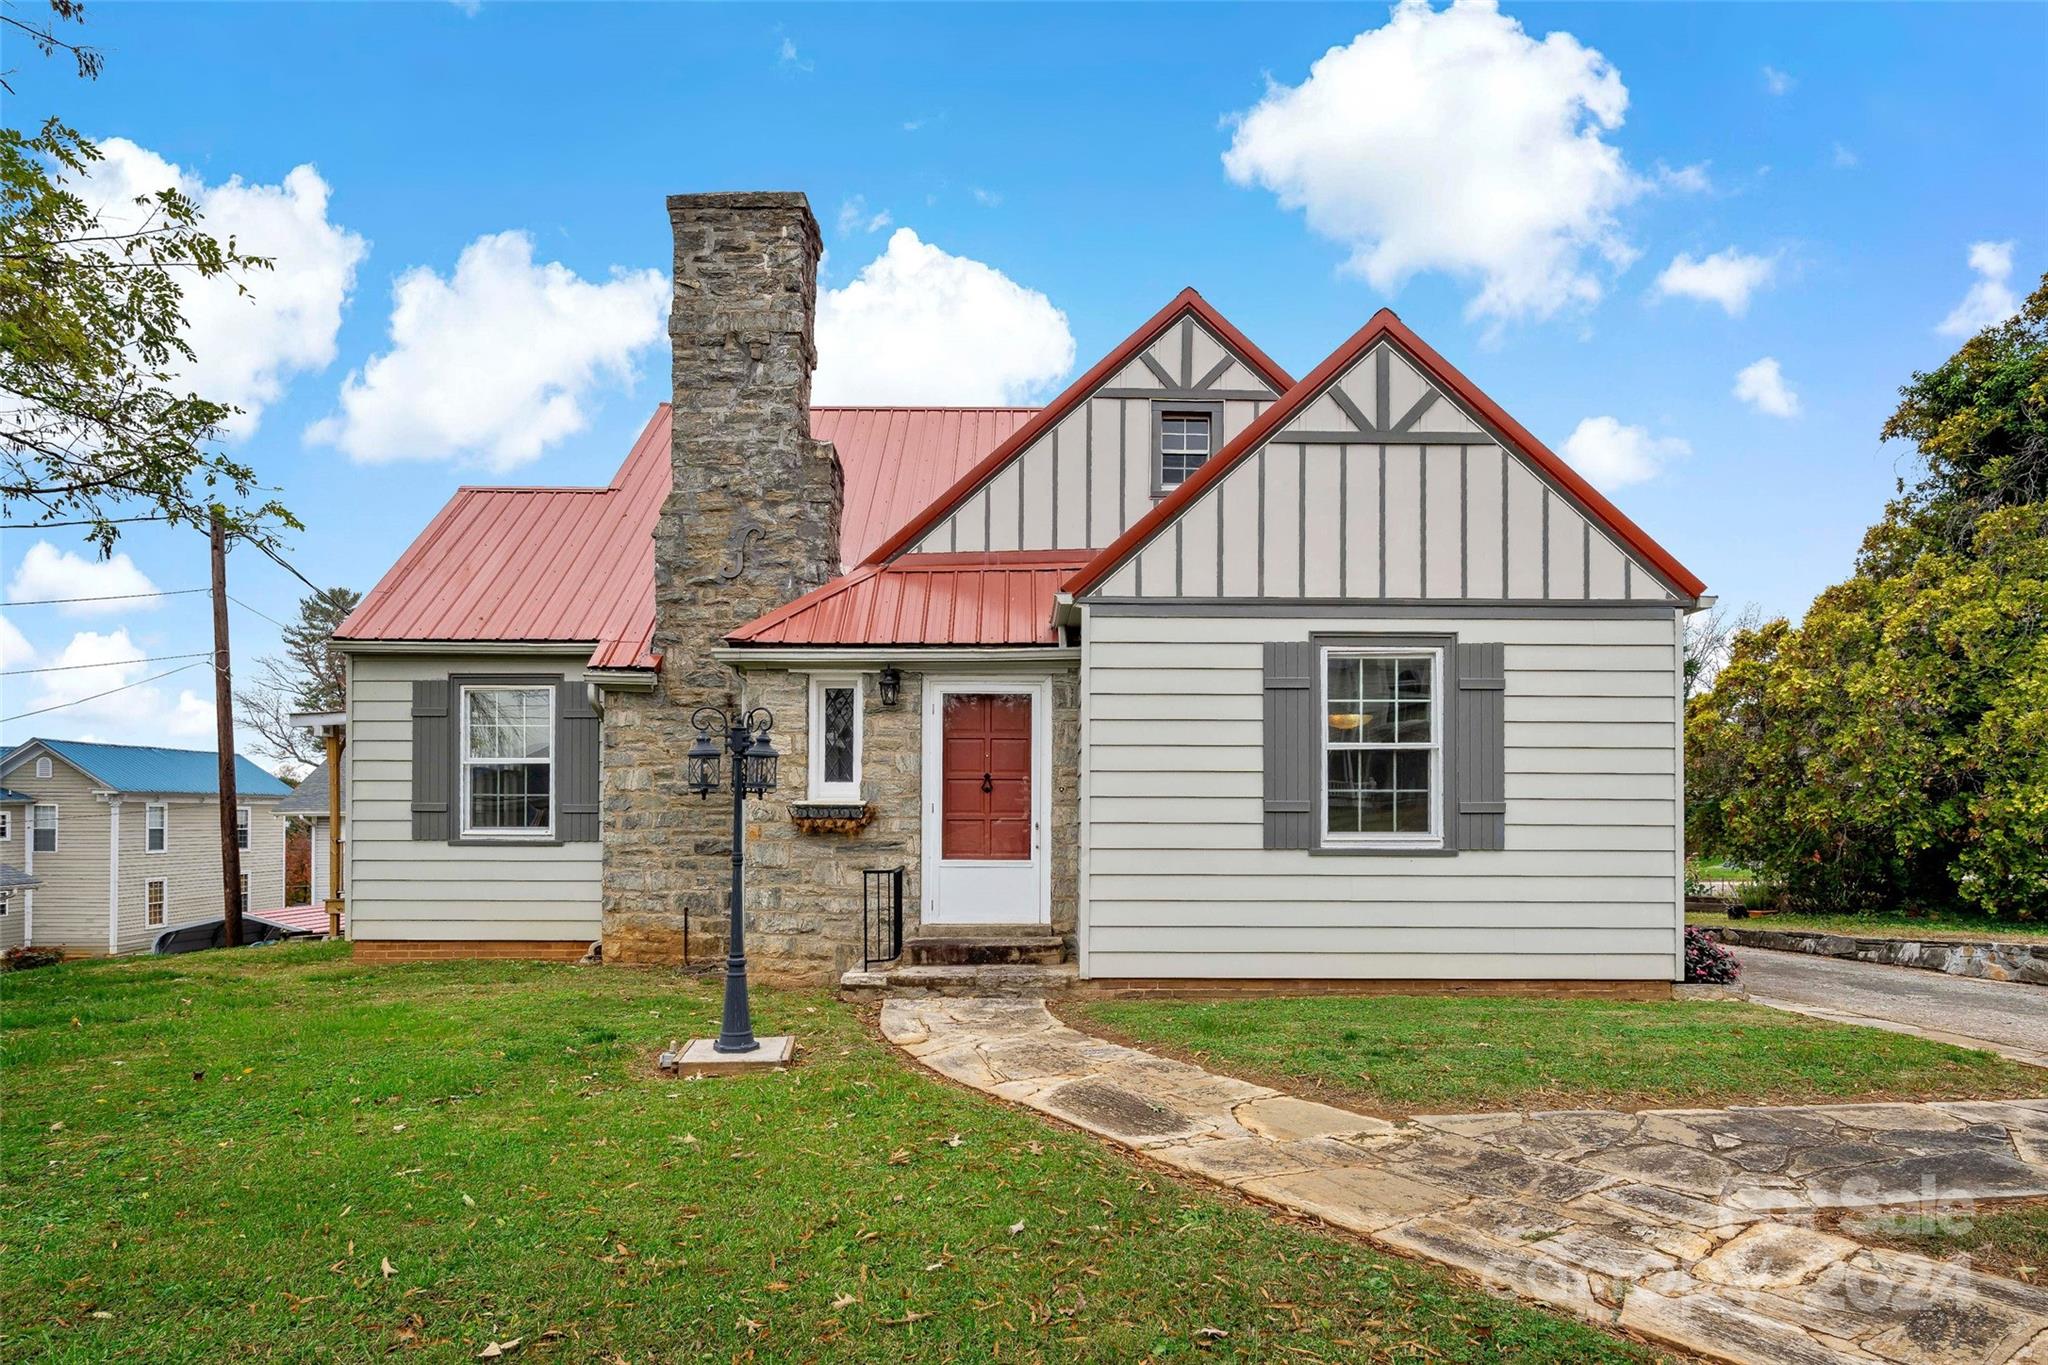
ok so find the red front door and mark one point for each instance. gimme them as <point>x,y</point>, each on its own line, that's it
<point>985,806</point>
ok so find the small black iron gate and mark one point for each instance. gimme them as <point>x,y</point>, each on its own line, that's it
<point>881,915</point>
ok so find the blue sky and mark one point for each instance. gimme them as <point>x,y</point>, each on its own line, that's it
<point>1807,182</point>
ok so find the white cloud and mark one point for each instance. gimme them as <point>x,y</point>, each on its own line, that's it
<point>47,572</point>
<point>247,346</point>
<point>1778,82</point>
<point>92,664</point>
<point>789,57</point>
<point>1691,179</point>
<point>1846,158</point>
<point>854,216</point>
<point>15,650</point>
<point>1727,277</point>
<point>1612,455</point>
<point>1990,299</point>
<point>921,326</point>
<point>1762,386</point>
<point>988,199</point>
<point>1452,140</point>
<point>497,362</point>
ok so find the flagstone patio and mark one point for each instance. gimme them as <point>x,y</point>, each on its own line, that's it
<point>1690,1227</point>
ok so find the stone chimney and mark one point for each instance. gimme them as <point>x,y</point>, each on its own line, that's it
<point>752,521</point>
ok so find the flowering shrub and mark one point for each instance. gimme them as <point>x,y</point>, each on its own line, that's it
<point>1707,962</point>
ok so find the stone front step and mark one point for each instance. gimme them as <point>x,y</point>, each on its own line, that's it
<point>1011,980</point>
<point>985,946</point>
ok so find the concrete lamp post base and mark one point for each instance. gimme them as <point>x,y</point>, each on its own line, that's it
<point>701,1058</point>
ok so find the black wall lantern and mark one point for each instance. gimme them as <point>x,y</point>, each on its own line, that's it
<point>754,765</point>
<point>891,684</point>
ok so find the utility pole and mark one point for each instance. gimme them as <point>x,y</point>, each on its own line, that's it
<point>224,733</point>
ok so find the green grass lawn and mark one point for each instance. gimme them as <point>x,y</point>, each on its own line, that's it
<point>1885,926</point>
<point>2000,1239</point>
<point>1721,870</point>
<point>1437,1054</point>
<point>281,1154</point>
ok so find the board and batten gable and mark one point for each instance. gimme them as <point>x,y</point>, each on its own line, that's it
<point>1179,880</point>
<point>410,889</point>
<point>1082,483</point>
<point>1385,487</point>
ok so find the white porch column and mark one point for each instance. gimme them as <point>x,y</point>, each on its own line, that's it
<point>113,875</point>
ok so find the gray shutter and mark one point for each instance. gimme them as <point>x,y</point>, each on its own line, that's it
<point>1479,747</point>
<point>1290,760</point>
<point>433,760</point>
<point>576,764</point>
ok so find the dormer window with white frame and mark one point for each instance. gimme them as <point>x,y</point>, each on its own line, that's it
<point>835,747</point>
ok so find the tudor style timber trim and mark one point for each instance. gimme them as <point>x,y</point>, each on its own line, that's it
<point>1383,427</point>
<point>1186,304</point>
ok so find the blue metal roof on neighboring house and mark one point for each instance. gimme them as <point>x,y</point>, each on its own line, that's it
<point>10,797</point>
<point>14,879</point>
<point>138,768</point>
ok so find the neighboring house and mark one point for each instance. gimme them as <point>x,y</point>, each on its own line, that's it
<point>124,841</point>
<point>1198,672</point>
<point>308,802</point>
<point>15,880</point>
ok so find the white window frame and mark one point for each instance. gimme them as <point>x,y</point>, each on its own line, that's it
<point>43,768</point>
<point>6,825</point>
<point>165,883</point>
<point>466,764</point>
<point>56,818</point>
<point>5,903</point>
<point>245,826</point>
<point>818,788</point>
<point>1435,747</point>
<point>244,892</point>
<point>156,810</point>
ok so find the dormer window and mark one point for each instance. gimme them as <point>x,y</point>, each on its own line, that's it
<point>1187,436</point>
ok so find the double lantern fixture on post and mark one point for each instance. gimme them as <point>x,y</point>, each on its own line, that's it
<point>754,765</point>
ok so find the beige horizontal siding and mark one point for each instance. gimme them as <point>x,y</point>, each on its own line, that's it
<point>401,888</point>
<point>1180,884</point>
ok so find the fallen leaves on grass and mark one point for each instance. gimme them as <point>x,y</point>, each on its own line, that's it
<point>498,1349</point>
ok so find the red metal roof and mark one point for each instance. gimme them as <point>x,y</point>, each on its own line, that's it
<point>1384,324</point>
<point>577,564</point>
<point>1000,598</point>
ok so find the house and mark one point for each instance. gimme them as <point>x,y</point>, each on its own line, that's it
<point>309,803</point>
<point>1199,672</point>
<point>124,841</point>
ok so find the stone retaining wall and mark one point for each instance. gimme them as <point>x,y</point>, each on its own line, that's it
<point>1989,961</point>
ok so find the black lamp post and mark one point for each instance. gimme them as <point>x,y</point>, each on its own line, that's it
<point>754,764</point>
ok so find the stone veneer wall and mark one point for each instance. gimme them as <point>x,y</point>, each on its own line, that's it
<point>804,890</point>
<point>751,522</point>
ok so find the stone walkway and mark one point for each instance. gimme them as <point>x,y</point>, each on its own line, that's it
<point>1691,1227</point>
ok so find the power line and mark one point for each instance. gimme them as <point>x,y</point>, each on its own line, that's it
<point>105,597</point>
<point>264,614</point>
<point>87,521</point>
<point>110,663</point>
<point>281,562</point>
<point>79,701</point>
